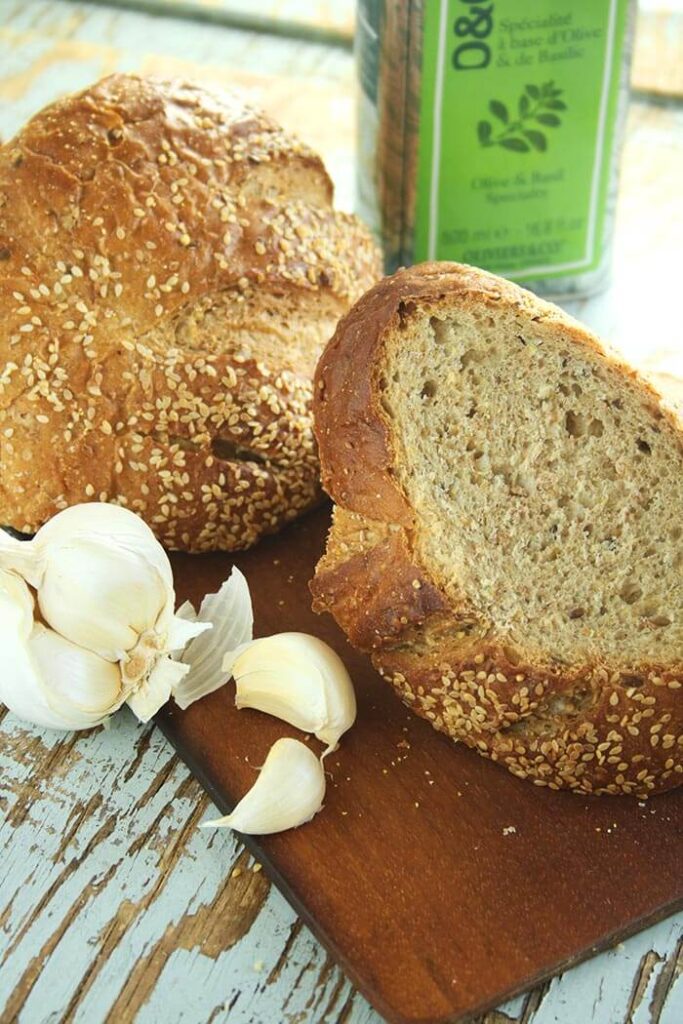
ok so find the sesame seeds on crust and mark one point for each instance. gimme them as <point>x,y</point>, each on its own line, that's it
<point>591,724</point>
<point>619,739</point>
<point>585,727</point>
<point>123,212</point>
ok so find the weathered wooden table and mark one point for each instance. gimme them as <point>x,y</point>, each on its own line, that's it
<point>113,906</point>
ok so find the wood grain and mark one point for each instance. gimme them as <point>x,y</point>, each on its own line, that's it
<point>439,881</point>
<point>85,911</point>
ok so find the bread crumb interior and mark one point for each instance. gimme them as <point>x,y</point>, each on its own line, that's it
<point>547,487</point>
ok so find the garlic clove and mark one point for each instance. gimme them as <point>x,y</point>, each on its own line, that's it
<point>20,688</point>
<point>100,595</point>
<point>111,524</point>
<point>25,694</point>
<point>288,792</point>
<point>297,678</point>
<point>16,605</point>
<point>106,522</point>
<point>45,679</point>
<point>229,615</point>
<point>74,676</point>
<point>19,556</point>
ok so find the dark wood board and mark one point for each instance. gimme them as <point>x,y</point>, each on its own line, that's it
<point>440,882</point>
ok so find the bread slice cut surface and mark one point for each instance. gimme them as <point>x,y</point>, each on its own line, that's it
<point>533,484</point>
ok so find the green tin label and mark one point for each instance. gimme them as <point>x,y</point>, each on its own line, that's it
<point>518,109</point>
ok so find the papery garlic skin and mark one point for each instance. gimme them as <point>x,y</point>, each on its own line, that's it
<point>298,678</point>
<point>229,611</point>
<point>45,679</point>
<point>288,792</point>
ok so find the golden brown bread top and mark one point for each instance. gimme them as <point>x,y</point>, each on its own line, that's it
<point>170,265</point>
<point>99,172</point>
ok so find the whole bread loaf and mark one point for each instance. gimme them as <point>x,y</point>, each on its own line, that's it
<point>507,533</point>
<point>170,267</point>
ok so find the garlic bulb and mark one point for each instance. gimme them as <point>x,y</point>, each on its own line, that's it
<point>45,679</point>
<point>288,792</point>
<point>297,678</point>
<point>105,583</point>
<point>105,588</point>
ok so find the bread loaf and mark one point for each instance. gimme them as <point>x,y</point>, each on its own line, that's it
<point>170,268</point>
<point>507,532</point>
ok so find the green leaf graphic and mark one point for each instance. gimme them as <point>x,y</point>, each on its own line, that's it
<point>484,132</point>
<point>499,110</point>
<point>519,134</point>
<point>537,140</point>
<point>519,145</point>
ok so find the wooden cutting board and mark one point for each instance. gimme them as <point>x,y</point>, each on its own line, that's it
<point>440,882</point>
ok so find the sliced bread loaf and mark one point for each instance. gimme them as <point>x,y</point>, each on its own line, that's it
<point>507,532</point>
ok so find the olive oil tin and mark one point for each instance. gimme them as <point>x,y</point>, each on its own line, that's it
<point>488,133</point>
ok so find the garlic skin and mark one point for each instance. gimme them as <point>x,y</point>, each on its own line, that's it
<point>46,679</point>
<point>288,792</point>
<point>230,613</point>
<point>299,679</point>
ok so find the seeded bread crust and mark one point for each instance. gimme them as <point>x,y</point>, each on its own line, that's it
<point>589,728</point>
<point>170,267</point>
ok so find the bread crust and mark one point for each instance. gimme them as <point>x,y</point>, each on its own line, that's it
<point>592,728</point>
<point>140,220</point>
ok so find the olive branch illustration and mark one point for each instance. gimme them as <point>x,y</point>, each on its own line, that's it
<point>536,106</point>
